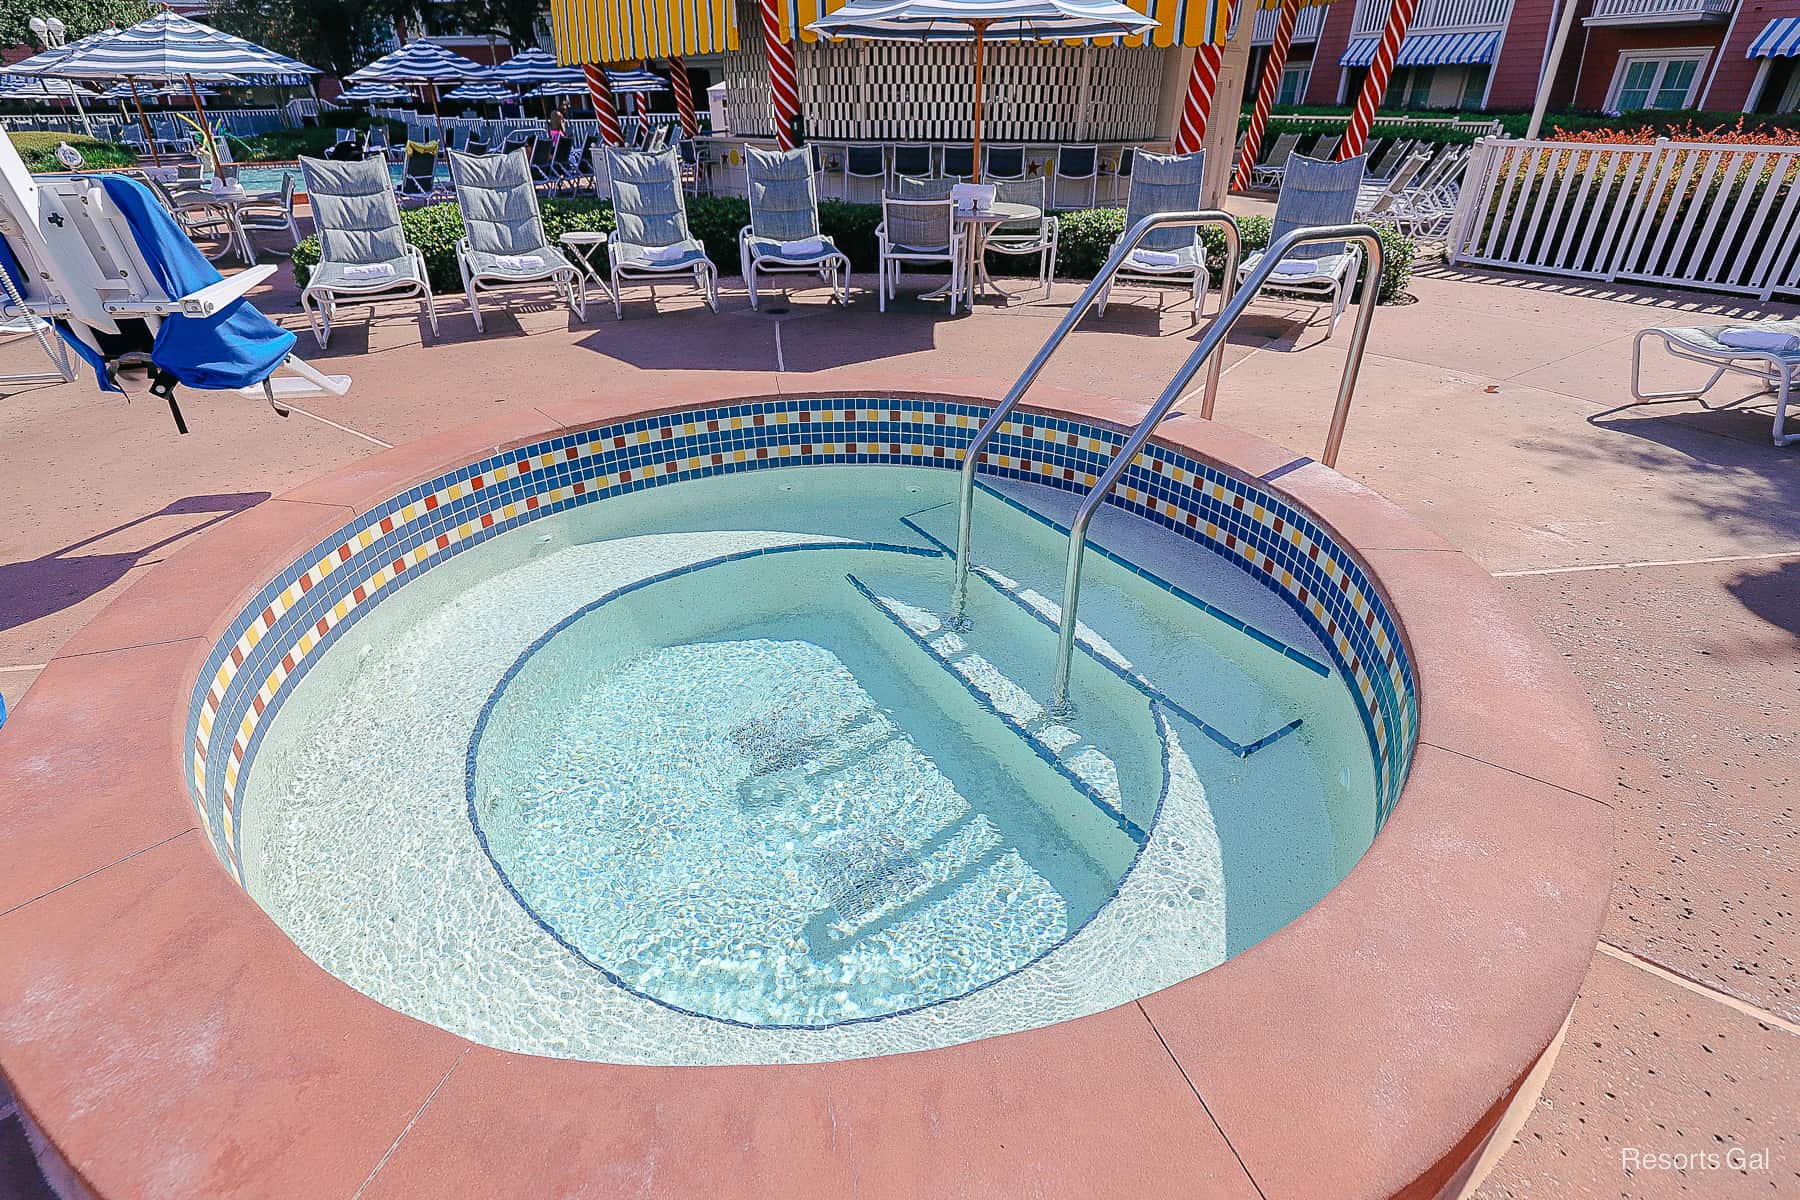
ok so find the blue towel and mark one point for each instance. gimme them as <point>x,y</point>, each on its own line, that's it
<point>236,346</point>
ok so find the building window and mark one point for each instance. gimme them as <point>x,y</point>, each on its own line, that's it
<point>1474,90</point>
<point>1293,84</point>
<point>1410,87</point>
<point>1655,79</point>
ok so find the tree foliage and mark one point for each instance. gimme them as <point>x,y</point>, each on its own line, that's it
<point>82,17</point>
<point>515,20</point>
<point>335,35</point>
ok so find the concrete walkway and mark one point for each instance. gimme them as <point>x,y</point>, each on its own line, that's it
<point>1659,546</point>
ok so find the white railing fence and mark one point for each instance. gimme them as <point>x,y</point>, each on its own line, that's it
<point>1689,214</point>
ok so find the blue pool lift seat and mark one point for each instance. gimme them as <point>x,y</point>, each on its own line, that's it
<point>97,266</point>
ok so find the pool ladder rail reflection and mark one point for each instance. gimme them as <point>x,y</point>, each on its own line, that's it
<point>1209,352</point>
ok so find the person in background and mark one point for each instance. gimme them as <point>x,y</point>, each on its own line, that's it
<point>555,126</point>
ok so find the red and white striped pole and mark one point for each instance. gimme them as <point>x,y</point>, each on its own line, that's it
<point>605,116</point>
<point>784,78</point>
<point>1374,87</point>
<point>1266,92</point>
<point>684,97</point>
<point>1198,107</point>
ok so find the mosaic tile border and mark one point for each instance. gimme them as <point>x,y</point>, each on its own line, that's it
<point>269,646</point>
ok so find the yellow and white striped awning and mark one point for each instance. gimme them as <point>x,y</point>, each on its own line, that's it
<point>616,31</point>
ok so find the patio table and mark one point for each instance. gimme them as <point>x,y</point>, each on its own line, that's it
<point>583,245</point>
<point>979,226</point>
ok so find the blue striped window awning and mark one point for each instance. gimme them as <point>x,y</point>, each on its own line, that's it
<point>1427,50</point>
<point>1780,38</point>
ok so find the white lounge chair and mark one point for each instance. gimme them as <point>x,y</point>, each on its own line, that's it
<point>1315,193</point>
<point>1164,183</point>
<point>783,235</point>
<point>652,243</point>
<point>917,232</point>
<point>1774,363</point>
<point>504,244</point>
<point>363,252</point>
<point>99,262</point>
<point>1267,173</point>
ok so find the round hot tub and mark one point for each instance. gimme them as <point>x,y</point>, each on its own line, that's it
<point>650,742</point>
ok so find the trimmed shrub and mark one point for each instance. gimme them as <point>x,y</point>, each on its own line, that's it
<point>38,149</point>
<point>1086,238</point>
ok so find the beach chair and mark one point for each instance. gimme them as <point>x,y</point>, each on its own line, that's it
<point>1002,162</point>
<point>916,232</point>
<point>783,235</point>
<point>1326,148</point>
<point>935,187</point>
<point>1077,165</point>
<point>363,253</point>
<point>1034,235</point>
<point>97,267</point>
<point>504,244</point>
<point>569,167</point>
<point>1766,351</point>
<point>863,160</point>
<point>1315,193</point>
<point>1267,173</point>
<point>1379,203</point>
<point>956,161</point>
<point>914,161</point>
<point>273,215</point>
<point>418,176</point>
<point>542,162</point>
<point>1164,183</point>
<point>652,243</point>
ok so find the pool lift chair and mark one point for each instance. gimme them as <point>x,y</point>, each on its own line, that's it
<point>94,265</point>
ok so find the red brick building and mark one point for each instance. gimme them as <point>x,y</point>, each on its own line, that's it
<point>1721,55</point>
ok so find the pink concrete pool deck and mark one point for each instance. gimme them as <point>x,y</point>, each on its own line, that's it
<point>1657,549</point>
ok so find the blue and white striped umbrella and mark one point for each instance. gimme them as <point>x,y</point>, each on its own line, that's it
<point>421,62</point>
<point>169,46</point>
<point>374,92</point>
<point>995,20</point>
<point>30,88</point>
<point>167,91</point>
<point>535,66</point>
<point>551,90</point>
<point>637,80</point>
<point>482,93</point>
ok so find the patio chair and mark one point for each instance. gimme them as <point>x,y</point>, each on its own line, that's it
<point>273,215</point>
<point>1315,193</point>
<point>957,162</point>
<point>1164,183</point>
<point>375,142</point>
<point>542,162</point>
<point>1120,173</point>
<point>1076,164</point>
<point>918,231</point>
<point>690,152</point>
<point>363,253</point>
<point>199,214</point>
<point>95,266</point>
<point>1035,235</point>
<point>1326,148</point>
<point>905,160</point>
<point>1268,171</point>
<point>937,187</point>
<point>571,164</point>
<point>1766,351</point>
<point>1002,162</point>
<point>783,235</point>
<point>504,244</point>
<point>1377,204</point>
<point>658,141</point>
<point>863,161</point>
<point>653,243</point>
<point>418,177</point>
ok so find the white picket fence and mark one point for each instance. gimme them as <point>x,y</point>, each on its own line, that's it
<point>1690,214</point>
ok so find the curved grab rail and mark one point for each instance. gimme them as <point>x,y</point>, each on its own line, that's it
<point>1211,340</point>
<point>1102,280</point>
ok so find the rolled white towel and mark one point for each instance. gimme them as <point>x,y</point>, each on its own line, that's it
<point>1297,266</point>
<point>1156,259</point>
<point>665,254</point>
<point>1772,340</point>
<point>369,271</point>
<point>518,262</point>
<point>804,248</point>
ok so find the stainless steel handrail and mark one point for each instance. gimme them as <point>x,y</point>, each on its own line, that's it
<point>1212,339</point>
<point>1102,280</point>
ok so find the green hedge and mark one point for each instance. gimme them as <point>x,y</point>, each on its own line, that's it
<point>285,145</point>
<point>38,149</point>
<point>1330,119</point>
<point>1086,237</point>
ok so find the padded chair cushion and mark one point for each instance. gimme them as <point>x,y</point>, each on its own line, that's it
<point>354,209</point>
<point>499,204</point>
